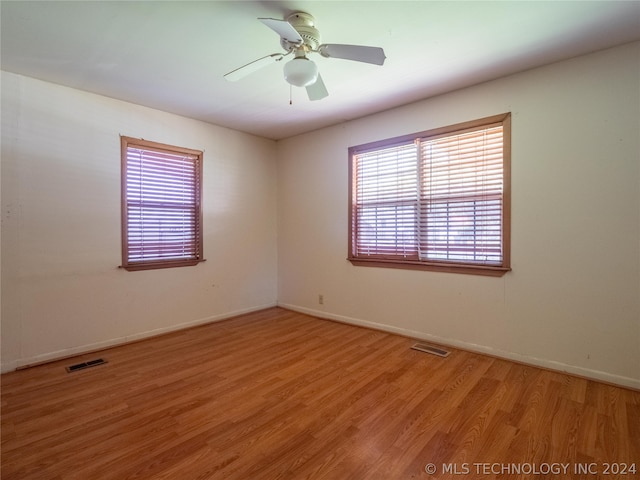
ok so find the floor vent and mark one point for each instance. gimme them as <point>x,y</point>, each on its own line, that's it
<point>83,365</point>
<point>424,347</point>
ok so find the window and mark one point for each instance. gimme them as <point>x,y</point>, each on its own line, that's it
<point>436,200</point>
<point>161,205</point>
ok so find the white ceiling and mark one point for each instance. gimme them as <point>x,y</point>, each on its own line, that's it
<point>172,55</point>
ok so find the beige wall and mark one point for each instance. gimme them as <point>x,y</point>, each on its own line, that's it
<point>276,224</point>
<point>572,301</point>
<point>62,290</point>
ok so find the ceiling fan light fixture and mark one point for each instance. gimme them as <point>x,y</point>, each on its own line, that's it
<point>300,72</point>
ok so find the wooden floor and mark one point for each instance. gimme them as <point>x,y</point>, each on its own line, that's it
<point>276,394</point>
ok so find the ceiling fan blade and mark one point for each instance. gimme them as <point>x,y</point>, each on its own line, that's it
<point>284,29</point>
<point>358,53</point>
<point>251,67</point>
<point>317,90</point>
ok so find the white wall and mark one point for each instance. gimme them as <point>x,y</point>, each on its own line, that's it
<point>572,300</point>
<point>62,290</point>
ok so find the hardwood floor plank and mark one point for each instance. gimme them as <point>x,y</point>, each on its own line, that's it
<point>280,395</point>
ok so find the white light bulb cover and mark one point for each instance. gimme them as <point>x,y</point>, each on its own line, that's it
<point>300,72</point>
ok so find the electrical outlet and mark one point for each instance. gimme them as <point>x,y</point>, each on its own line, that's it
<point>321,299</point>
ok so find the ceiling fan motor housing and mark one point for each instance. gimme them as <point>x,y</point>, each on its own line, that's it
<point>304,24</point>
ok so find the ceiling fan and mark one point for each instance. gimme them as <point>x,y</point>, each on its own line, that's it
<point>300,37</point>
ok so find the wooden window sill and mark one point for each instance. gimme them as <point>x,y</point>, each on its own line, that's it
<point>486,270</point>
<point>155,265</point>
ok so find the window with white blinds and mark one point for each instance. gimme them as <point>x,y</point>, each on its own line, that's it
<point>437,200</point>
<point>161,205</point>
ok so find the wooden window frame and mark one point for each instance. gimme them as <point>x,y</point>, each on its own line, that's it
<point>395,261</point>
<point>155,263</point>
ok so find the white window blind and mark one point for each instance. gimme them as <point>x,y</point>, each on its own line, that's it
<point>161,206</point>
<point>387,202</point>
<point>433,198</point>
<point>461,197</point>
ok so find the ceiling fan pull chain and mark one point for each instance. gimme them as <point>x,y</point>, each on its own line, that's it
<point>290,95</point>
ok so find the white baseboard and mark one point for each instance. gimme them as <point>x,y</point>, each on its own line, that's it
<point>516,357</point>
<point>79,350</point>
<point>9,366</point>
